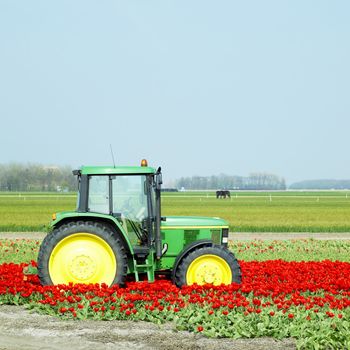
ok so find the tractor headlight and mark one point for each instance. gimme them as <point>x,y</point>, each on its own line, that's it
<point>224,239</point>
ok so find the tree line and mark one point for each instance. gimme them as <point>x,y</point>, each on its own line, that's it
<point>36,177</point>
<point>255,181</point>
<point>321,185</point>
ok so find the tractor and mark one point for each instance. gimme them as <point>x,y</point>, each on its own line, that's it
<point>117,230</point>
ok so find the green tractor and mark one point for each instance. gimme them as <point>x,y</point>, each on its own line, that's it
<point>117,230</point>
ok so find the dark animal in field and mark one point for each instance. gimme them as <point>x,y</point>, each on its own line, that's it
<point>223,194</point>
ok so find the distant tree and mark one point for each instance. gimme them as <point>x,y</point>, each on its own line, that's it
<point>35,177</point>
<point>255,181</point>
<point>328,184</point>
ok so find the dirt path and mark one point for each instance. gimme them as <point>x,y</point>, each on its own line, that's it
<point>233,236</point>
<point>22,330</point>
<point>24,235</point>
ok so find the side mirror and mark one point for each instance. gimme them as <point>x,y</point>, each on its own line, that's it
<point>159,179</point>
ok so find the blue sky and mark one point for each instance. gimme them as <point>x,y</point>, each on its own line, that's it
<point>198,87</point>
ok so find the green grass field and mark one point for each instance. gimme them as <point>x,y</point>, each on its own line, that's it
<point>245,211</point>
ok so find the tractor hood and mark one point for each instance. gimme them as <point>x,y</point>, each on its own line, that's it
<point>193,222</point>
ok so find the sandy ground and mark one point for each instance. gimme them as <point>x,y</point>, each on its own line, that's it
<point>20,329</point>
<point>233,235</point>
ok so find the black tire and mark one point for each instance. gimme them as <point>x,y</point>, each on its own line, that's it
<point>100,230</point>
<point>222,252</point>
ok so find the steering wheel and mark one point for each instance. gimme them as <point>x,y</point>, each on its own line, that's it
<point>140,215</point>
<point>129,211</point>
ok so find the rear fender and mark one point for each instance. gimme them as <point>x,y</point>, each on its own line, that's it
<point>65,217</point>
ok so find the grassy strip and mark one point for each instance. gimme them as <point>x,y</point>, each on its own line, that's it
<point>24,228</point>
<point>233,228</point>
<point>256,212</point>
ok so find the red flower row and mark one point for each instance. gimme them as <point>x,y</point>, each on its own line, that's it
<point>279,283</point>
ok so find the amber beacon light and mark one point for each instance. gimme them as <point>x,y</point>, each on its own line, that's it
<point>144,162</point>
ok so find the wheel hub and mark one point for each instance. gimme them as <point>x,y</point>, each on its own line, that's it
<point>208,273</point>
<point>209,268</point>
<point>82,267</point>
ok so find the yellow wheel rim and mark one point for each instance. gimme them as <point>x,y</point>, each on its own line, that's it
<point>82,258</point>
<point>209,269</point>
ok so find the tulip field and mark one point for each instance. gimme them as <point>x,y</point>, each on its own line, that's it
<point>291,289</point>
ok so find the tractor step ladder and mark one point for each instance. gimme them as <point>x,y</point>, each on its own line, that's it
<point>147,266</point>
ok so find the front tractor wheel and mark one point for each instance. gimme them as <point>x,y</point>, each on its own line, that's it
<point>208,265</point>
<point>82,252</point>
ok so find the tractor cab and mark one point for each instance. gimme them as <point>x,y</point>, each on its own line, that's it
<point>117,229</point>
<point>127,194</point>
<point>131,195</point>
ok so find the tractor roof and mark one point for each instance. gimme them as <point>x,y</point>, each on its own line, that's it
<point>111,170</point>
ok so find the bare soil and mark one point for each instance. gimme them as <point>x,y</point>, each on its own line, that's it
<point>22,330</point>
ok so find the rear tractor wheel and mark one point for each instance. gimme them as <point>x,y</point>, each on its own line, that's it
<point>82,252</point>
<point>208,265</point>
